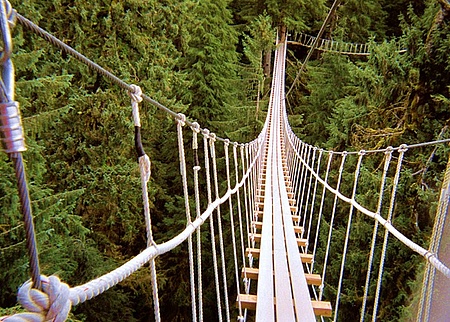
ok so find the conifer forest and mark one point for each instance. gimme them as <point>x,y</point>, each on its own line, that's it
<point>211,60</point>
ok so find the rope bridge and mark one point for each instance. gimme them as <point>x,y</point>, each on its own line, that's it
<point>334,46</point>
<point>282,198</point>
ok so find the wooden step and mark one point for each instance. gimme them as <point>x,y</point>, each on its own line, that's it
<point>252,273</point>
<point>300,241</point>
<point>297,229</point>
<point>305,258</point>
<point>248,301</point>
<point>260,214</point>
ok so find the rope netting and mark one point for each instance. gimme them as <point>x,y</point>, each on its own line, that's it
<point>325,188</point>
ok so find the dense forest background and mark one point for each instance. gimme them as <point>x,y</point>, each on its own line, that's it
<point>209,59</point>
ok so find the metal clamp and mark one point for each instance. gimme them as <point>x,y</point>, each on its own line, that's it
<point>11,127</point>
<point>10,121</point>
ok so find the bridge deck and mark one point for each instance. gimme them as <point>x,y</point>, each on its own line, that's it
<point>282,285</point>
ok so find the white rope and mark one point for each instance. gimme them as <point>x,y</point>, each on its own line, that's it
<point>241,229</point>
<point>136,98</point>
<point>145,171</point>
<point>313,160</point>
<point>181,121</point>
<point>233,236</point>
<point>330,231</point>
<point>195,130</point>
<point>219,226</point>
<point>347,235</point>
<point>387,161</point>
<point>322,200</point>
<point>429,256</point>
<point>304,179</point>
<point>386,232</point>
<point>206,136</point>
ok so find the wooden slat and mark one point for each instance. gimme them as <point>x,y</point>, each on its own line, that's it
<point>321,308</point>
<point>297,229</point>
<point>300,241</point>
<point>305,258</point>
<point>252,273</point>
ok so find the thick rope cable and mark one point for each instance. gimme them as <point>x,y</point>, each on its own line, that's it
<point>181,121</point>
<point>13,138</point>
<point>219,227</point>
<point>330,231</point>
<point>386,232</point>
<point>387,161</point>
<point>94,66</point>
<point>347,235</point>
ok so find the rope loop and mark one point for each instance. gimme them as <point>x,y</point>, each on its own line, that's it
<point>389,150</point>
<point>226,142</point>
<point>195,127</point>
<point>135,93</point>
<point>403,148</point>
<point>205,133</point>
<point>362,152</point>
<point>213,137</point>
<point>53,303</point>
<point>181,119</point>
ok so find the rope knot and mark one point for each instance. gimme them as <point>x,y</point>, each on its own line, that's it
<point>362,152</point>
<point>403,148</point>
<point>195,127</point>
<point>226,142</point>
<point>51,304</point>
<point>205,133</point>
<point>389,150</point>
<point>181,119</point>
<point>135,93</point>
<point>213,137</point>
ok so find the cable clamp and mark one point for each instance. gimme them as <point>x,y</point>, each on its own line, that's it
<point>11,128</point>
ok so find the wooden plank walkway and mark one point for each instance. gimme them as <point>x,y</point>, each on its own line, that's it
<point>282,285</point>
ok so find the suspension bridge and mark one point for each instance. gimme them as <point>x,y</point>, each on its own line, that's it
<point>283,198</point>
